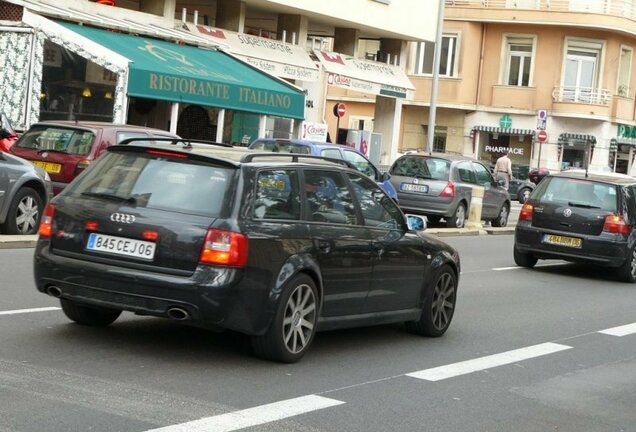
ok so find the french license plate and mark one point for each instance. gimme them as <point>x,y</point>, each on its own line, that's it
<point>121,246</point>
<point>410,187</point>
<point>53,168</point>
<point>563,241</point>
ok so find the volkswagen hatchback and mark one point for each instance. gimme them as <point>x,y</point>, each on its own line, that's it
<point>262,244</point>
<point>579,217</point>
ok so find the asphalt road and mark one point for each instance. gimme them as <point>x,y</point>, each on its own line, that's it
<point>525,352</point>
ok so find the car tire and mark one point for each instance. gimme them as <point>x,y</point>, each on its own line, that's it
<point>627,272</point>
<point>24,212</point>
<point>93,316</point>
<point>524,259</point>
<point>458,219</point>
<point>523,194</point>
<point>502,219</point>
<point>294,326</point>
<point>439,306</point>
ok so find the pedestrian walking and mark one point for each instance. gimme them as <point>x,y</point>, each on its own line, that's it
<point>503,170</point>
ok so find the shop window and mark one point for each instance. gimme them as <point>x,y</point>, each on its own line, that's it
<point>424,57</point>
<point>624,72</point>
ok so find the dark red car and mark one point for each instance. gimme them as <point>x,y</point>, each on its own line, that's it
<point>536,174</point>
<point>65,148</point>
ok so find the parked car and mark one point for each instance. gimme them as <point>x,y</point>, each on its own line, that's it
<point>336,151</point>
<point>65,148</point>
<point>259,243</point>
<point>520,189</point>
<point>8,136</point>
<point>440,186</point>
<point>581,218</point>
<point>536,174</point>
<point>24,191</point>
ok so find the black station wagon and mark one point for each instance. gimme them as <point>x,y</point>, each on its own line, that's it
<point>580,217</point>
<point>274,246</point>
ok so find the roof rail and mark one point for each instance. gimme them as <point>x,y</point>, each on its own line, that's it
<point>187,143</point>
<point>295,158</point>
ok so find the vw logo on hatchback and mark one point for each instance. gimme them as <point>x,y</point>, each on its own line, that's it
<point>567,212</point>
<point>122,218</point>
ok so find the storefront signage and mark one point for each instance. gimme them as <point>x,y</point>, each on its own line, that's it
<point>625,131</point>
<point>272,56</point>
<point>314,131</point>
<point>505,121</point>
<point>500,149</point>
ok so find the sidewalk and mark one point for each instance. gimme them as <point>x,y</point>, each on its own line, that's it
<point>29,241</point>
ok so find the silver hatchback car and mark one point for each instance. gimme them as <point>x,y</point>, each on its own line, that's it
<point>440,186</point>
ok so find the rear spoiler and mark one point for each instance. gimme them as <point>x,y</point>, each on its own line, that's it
<point>186,143</point>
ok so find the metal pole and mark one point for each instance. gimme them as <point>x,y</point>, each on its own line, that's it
<point>438,55</point>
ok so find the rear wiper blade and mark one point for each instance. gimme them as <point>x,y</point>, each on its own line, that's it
<point>112,197</point>
<point>425,177</point>
<point>575,204</point>
<point>50,151</point>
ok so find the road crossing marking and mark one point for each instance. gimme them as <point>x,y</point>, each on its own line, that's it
<point>21,311</point>
<point>621,330</point>
<point>488,362</point>
<point>254,416</point>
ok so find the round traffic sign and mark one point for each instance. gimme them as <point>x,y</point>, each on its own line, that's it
<point>542,136</point>
<point>339,109</point>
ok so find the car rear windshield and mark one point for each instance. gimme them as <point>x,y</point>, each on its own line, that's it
<point>422,167</point>
<point>154,181</point>
<point>59,139</point>
<point>577,193</point>
<point>280,146</point>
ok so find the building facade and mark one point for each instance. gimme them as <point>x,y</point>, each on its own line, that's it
<point>510,69</point>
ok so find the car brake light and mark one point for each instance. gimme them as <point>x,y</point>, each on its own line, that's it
<point>527,210</point>
<point>224,248</point>
<point>167,153</point>
<point>449,190</point>
<point>615,224</point>
<point>46,223</point>
<point>150,235</point>
<point>91,226</point>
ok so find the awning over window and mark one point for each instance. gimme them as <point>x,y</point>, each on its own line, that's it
<point>181,73</point>
<point>506,131</point>
<point>365,76</point>
<point>570,136</point>
<point>624,141</point>
<point>272,56</point>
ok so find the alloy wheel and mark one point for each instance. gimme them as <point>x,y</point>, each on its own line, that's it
<point>633,264</point>
<point>460,216</point>
<point>443,301</point>
<point>27,214</point>
<point>503,216</point>
<point>300,318</point>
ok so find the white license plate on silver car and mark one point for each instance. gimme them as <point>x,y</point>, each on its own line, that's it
<point>121,246</point>
<point>410,187</point>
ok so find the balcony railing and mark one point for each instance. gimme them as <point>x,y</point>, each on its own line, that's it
<point>623,8</point>
<point>584,95</point>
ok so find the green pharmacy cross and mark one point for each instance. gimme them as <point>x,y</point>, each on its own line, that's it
<point>505,121</point>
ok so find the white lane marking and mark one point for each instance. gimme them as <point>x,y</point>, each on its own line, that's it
<point>21,311</point>
<point>254,416</point>
<point>621,330</point>
<point>474,365</point>
<point>538,265</point>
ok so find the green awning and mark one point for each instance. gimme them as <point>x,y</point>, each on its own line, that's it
<point>186,74</point>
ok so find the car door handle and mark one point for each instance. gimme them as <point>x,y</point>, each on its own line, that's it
<point>324,246</point>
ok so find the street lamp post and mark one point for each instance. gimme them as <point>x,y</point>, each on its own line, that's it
<point>436,61</point>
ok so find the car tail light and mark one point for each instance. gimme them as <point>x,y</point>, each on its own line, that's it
<point>46,223</point>
<point>526,212</point>
<point>81,166</point>
<point>615,224</point>
<point>150,235</point>
<point>224,248</point>
<point>91,226</point>
<point>449,190</point>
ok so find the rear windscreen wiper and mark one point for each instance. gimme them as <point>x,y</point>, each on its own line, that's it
<point>421,176</point>
<point>112,197</point>
<point>575,204</point>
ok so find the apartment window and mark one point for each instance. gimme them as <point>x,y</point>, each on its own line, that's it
<point>580,79</point>
<point>424,57</point>
<point>439,139</point>
<point>624,72</point>
<point>519,61</point>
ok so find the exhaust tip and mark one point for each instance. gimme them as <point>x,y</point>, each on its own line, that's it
<point>178,314</point>
<point>54,291</point>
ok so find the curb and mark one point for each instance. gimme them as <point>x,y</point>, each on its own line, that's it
<point>18,241</point>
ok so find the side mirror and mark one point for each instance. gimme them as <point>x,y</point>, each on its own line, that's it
<point>415,223</point>
<point>385,177</point>
<point>501,183</point>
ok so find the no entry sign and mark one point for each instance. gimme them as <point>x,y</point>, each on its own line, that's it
<point>542,136</point>
<point>339,110</point>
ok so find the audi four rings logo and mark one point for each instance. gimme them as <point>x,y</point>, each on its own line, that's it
<point>567,212</point>
<point>122,218</point>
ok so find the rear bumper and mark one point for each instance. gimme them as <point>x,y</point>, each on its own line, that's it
<point>434,207</point>
<point>609,250</point>
<point>214,297</point>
